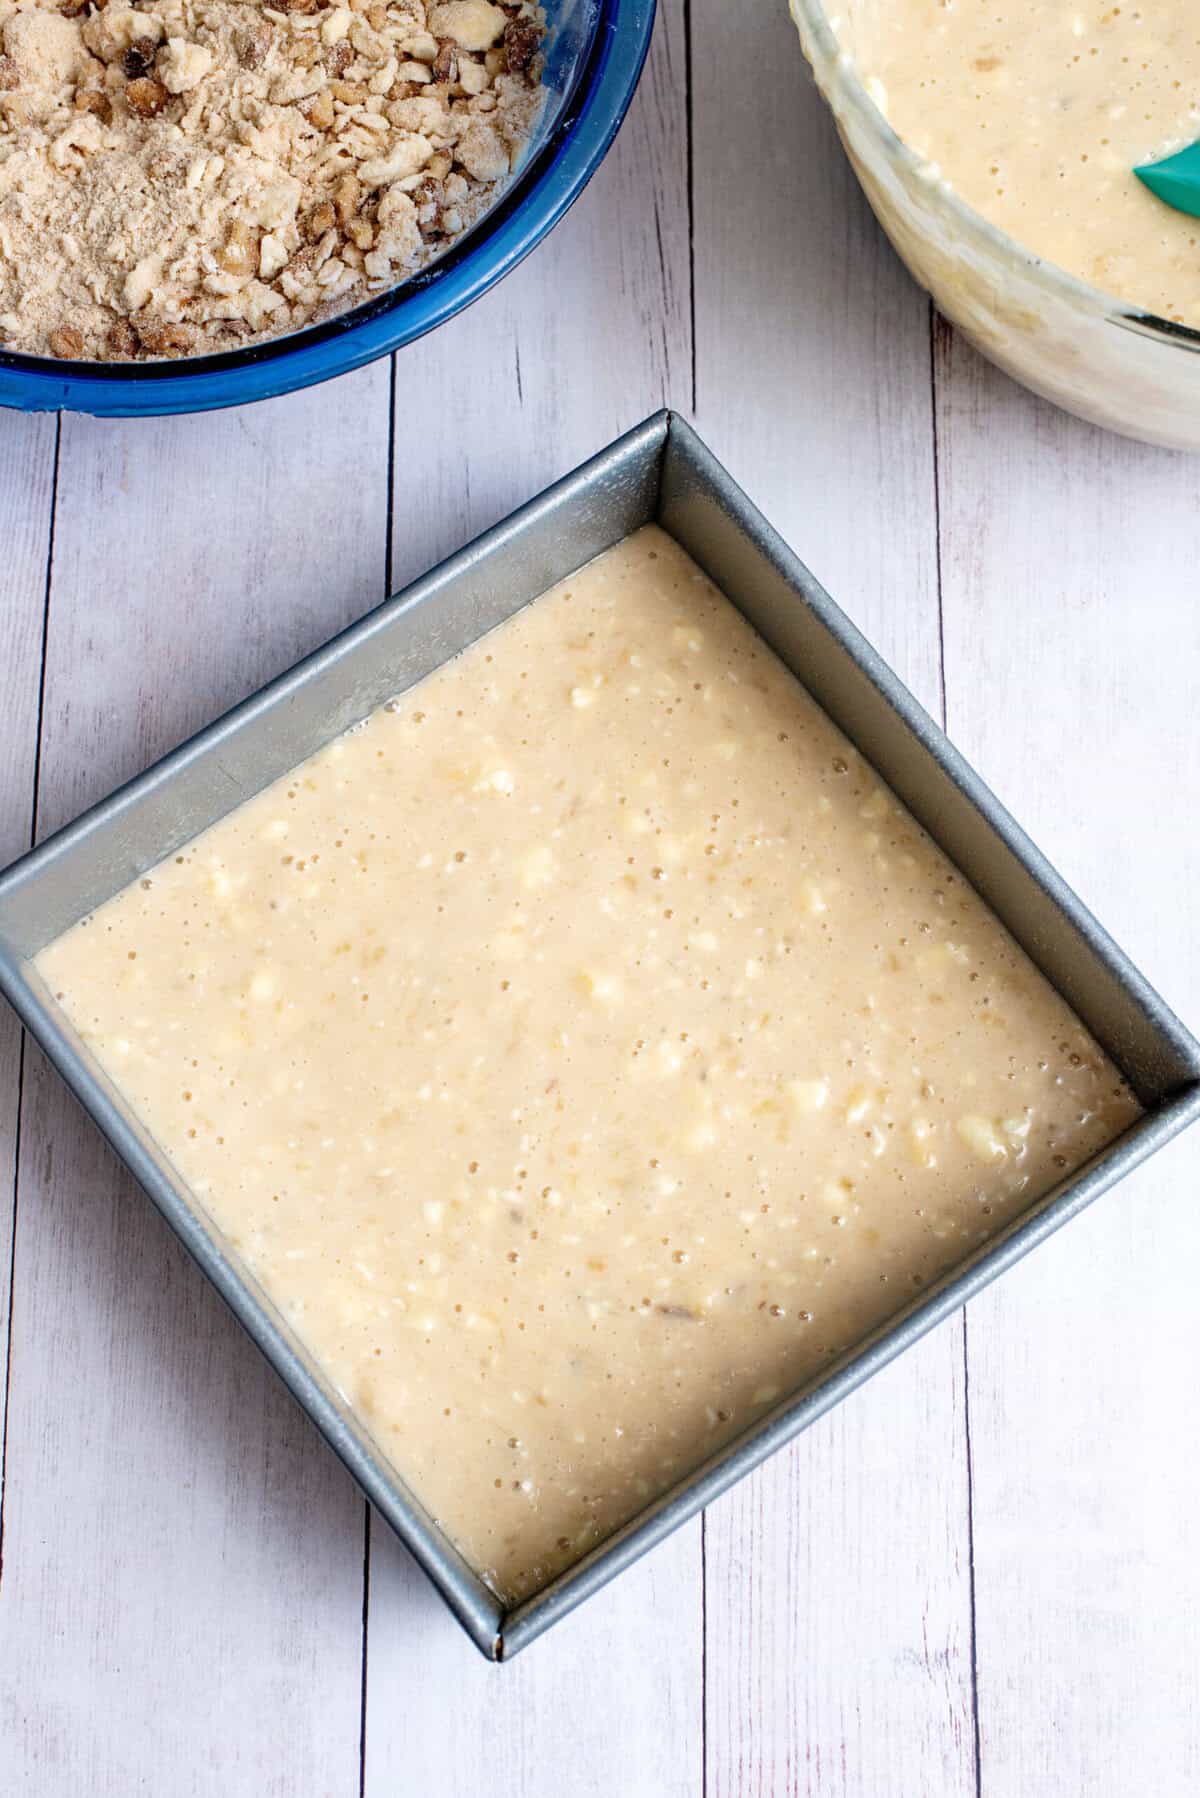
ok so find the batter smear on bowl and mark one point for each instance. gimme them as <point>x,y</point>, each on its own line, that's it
<point>1038,115</point>
<point>186,176</point>
<point>582,1052</point>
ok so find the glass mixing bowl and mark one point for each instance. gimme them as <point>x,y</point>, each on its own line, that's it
<point>594,50</point>
<point>1081,348</point>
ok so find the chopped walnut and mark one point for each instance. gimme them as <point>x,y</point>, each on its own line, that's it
<point>146,96</point>
<point>318,109</point>
<point>427,197</point>
<point>164,337</point>
<point>522,41</point>
<point>253,44</point>
<point>139,59</point>
<point>10,75</point>
<point>67,342</point>
<point>94,100</point>
<point>121,343</point>
<point>347,198</point>
<point>240,255</point>
<point>321,219</point>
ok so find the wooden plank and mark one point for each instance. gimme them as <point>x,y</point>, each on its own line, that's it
<point>1072,650</point>
<point>27,456</point>
<point>588,337</point>
<point>838,1642</point>
<point>838,1646</point>
<point>181,1608</point>
<point>608,1703</point>
<point>813,351</point>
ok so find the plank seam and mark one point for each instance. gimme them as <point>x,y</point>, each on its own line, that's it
<point>33,818</point>
<point>366,1619</point>
<point>12,1276</point>
<point>704,1654</point>
<point>971,1565</point>
<point>691,190</point>
<point>391,479</point>
<point>366,1574</point>
<point>934,327</point>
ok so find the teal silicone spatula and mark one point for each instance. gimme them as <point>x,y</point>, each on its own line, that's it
<point>1176,179</point>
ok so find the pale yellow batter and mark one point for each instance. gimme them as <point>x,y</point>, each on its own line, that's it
<point>1037,114</point>
<point>582,1052</point>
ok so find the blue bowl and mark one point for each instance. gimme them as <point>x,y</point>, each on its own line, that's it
<point>595,50</point>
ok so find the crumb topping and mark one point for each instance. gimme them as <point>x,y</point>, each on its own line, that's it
<point>186,176</point>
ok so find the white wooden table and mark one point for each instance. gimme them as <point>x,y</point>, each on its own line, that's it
<point>980,1576</point>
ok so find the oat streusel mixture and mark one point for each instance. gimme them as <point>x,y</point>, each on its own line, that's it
<point>185,176</point>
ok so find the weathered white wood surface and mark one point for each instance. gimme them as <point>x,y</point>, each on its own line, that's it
<point>1073,675</point>
<point>192,1600</point>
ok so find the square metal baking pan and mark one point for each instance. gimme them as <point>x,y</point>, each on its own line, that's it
<point>660,472</point>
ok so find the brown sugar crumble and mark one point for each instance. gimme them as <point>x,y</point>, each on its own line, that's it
<point>186,176</point>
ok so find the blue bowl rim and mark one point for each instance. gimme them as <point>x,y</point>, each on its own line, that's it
<point>538,199</point>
